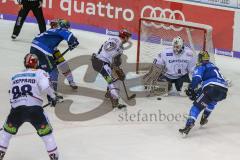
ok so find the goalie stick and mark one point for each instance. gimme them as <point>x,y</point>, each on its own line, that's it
<point>125,89</point>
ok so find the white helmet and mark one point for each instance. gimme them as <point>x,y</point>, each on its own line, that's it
<point>178,45</point>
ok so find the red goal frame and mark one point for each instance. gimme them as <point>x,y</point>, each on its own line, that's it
<point>178,23</point>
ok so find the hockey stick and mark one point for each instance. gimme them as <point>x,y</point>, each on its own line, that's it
<point>44,106</point>
<point>125,89</point>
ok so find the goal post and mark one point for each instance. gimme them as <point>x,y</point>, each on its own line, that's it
<point>156,34</point>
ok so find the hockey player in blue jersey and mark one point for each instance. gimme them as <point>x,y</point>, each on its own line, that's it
<point>212,90</point>
<point>61,63</point>
<point>45,45</point>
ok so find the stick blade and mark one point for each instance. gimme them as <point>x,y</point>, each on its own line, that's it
<point>132,97</point>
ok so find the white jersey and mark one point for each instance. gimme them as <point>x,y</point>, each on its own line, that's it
<point>176,65</point>
<point>28,86</point>
<point>110,49</point>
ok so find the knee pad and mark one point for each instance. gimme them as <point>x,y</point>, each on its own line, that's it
<point>58,57</point>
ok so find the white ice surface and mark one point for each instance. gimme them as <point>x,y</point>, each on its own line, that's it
<point>107,137</point>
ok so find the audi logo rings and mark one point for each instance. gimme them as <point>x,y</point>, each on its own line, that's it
<point>159,13</point>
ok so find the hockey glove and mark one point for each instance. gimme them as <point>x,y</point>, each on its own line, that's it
<point>191,94</point>
<point>52,101</point>
<point>121,75</point>
<point>73,45</point>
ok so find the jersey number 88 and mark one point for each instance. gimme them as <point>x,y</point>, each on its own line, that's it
<point>22,91</point>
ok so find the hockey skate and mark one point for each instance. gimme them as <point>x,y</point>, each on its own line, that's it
<point>73,85</point>
<point>2,153</point>
<point>116,104</point>
<point>108,94</point>
<point>203,120</point>
<point>53,156</point>
<point>14,37</point>
<point>186,130</point>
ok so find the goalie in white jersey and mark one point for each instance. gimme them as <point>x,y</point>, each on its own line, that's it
<point>26,90</point>
<point>173,65</point>
<point>107,62</point>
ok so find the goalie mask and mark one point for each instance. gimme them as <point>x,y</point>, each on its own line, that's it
<point>178,45</point>
<point>31,61</point>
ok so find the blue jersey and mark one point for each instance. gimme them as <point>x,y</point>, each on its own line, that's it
<point>207,74</point>
<point>49,40</point>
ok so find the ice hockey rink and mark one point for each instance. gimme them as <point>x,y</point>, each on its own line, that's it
<point>110,137</point>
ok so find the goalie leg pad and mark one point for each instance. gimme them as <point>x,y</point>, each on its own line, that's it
<point>153,74</point>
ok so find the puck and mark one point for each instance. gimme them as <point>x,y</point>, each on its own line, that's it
<point>159,98</point>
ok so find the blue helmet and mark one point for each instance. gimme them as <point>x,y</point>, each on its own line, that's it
<point>63,23</point>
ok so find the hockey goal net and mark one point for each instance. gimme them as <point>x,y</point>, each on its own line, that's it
<point>155,35</point>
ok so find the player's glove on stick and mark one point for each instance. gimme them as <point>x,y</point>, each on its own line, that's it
<point>121,75</point>
<point>191,94</point>
<point>54,101</point>
<point>73,45</point>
